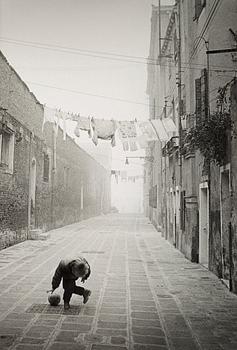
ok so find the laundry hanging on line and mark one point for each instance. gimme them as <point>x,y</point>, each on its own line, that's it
<point>127,129</point>
<point>63,116</point>
<point>132,144</point>
<point>125,144</point>
<point>133,135</point>
<point>93,132</point>
<point>142,141</point>
<point>49,116</point>
<point>127,134</point>
<point>148,130</point>
<point>103,129</point>
<point>54,116</point>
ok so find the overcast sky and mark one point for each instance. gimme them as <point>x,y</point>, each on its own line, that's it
<point>100,26</point>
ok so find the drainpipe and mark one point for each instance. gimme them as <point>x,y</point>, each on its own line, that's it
<point>53,176</point>
<point>165,183</point>
<point>231,272</point>
<point>231,256</point>
<point>179,89</point>
<point>159,9</point>
<point>29,188</point>
<point>179,107</point>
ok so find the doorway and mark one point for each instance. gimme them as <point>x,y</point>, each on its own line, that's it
<point>32,193</point>
<point>225,205</point>
<point>204,224</point>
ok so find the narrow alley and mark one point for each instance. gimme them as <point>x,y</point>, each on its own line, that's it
<point>145,294</point>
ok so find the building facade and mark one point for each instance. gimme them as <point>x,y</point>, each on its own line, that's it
<point>152,173</point>
<point>45,181</point>
<point>196,87</point>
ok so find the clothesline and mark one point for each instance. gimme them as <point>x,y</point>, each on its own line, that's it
<point>133,134</point>
<point>123,176</point>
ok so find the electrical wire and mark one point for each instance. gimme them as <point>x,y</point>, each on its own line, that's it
<point>33,43</point>
<point>87,94</point>
<point>99,54</point>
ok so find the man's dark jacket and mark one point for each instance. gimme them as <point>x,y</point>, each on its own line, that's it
<point>64,270</point>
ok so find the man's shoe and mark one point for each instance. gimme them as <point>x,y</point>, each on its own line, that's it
<point>66,306</point>
<point>86,295</point>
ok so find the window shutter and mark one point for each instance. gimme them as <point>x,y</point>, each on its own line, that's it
<point>150,197</point>
<point>204,94</point>
<point>182,210</point>
<point>197,9</point>
<point>155,196</point>
<point>199,5</point>
<point>46,168</point>
<point>198,99</point>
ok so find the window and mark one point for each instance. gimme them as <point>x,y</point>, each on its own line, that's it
<point>201,96</point>
<point>198,99</point>
<point>204,94</point>
<point>182,210</point>
<point>153,197</point>
<point>46,168</point>
<point>7,140</point>
<point>66,171</point>
<point>176,46</point>
<point>198,7</point>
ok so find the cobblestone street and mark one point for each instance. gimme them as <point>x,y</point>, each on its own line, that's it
<point>145,294</point>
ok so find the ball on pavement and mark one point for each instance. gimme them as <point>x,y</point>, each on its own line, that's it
<point>54,299</point>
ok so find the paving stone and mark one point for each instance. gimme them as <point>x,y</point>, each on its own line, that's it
<point>112,318</point>
<point>111,332</point>
<point>66,336</point>
<point>184,343</point>
<point>89,312</point>
<point>147,339</point>
<point>66,346</point>
<point>35,341</point>
<point>6,340</point>
<point>113,325</point>
<point>148,331</point>
<point>108,347</point>
<point>29,347</point>
<point>143,302</point>
<point>14,323</point>
<point>115,290</point>
<point>39,332</point>
<point>81,319</point>
<point>93,338</point>
<point>82,328</point>
<point>149,347</point>
<point>138,308</point>
<point>229,346</point>
<point>49,317</point>
<point>177,333</point>
<point>113,310</point>
<point>114,299</point>
<point>10,331</point>
<point>118,340</point>
<point>145,315</point>
<point>45,322</point>
<point>115,294</point>
<point>114,304</point>
<point>141,295</point>
<point>17,316</point>
<point>216,347</point>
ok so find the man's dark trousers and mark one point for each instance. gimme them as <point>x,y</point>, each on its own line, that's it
<point>70,287</point>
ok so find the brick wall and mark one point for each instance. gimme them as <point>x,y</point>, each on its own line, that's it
<point>58,201</point>
<point>234,190</point>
